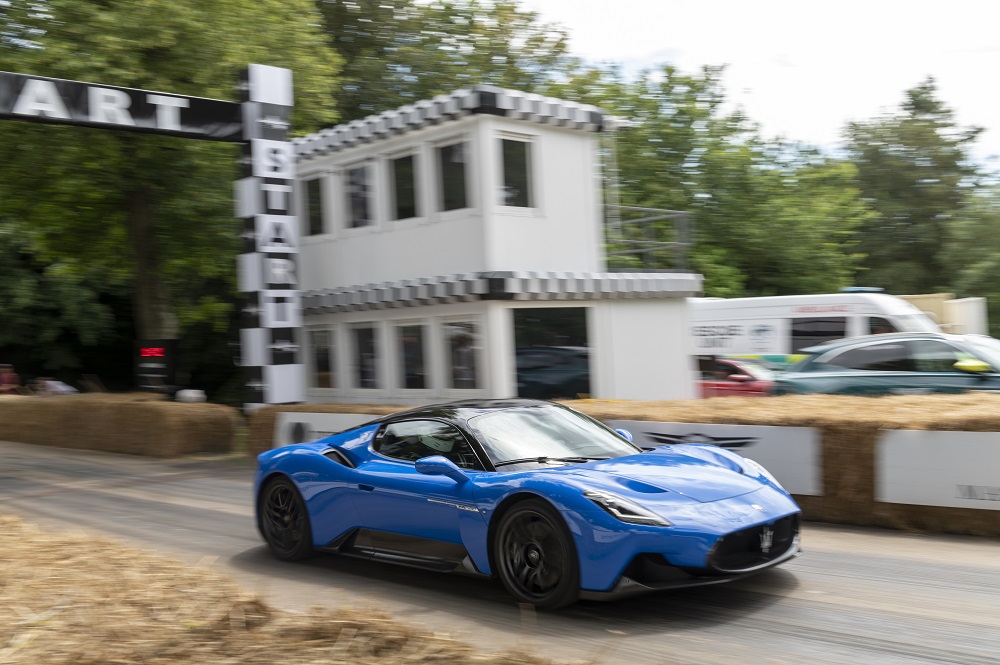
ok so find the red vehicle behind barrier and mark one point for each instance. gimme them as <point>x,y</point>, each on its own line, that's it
<point>726,377</point>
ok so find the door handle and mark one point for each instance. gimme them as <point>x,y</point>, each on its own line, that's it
<point>367,488</point>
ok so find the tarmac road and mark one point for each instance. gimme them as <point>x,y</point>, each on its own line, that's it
<point>856,596</point>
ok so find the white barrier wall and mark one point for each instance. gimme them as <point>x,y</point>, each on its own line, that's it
<point>791,454</point>
<point>950,469</point>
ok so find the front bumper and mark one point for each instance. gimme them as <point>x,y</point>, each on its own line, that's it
<point>648,573</point>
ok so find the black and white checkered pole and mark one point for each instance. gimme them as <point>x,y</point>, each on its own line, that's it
<point>268,265</point>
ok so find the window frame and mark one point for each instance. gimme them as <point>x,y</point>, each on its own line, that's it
<point>331,348</point>
<point>399,380</point>
<point>354,381</point>
<point>370,195</point>
<point>305,203</point>
<point>479,368</point>
<point>393,199</point>
<point>468,176</point>
<point>531,149</point>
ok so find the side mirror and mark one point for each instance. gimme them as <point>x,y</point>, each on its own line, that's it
<point>438,465</point>
<point>625,434</point>
<point>972,366</point>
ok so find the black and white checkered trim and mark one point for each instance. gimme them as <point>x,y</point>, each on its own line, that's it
<point>501,286</point>
<point>480,99</point>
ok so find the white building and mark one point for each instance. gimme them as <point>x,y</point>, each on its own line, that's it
<point>454,248</point>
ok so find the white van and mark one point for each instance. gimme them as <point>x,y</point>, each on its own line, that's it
<point>776,328</point>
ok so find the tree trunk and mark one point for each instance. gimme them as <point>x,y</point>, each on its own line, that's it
<point>154,318</point>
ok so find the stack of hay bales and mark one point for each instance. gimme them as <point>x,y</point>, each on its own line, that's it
<point>133,423</point>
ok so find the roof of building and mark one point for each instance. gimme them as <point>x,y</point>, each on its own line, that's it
<point>482,99</point>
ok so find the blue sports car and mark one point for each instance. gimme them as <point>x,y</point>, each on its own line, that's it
<point>551,501</point>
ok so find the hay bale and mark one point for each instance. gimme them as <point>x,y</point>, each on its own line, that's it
<point>133,423</point>
<point>68,598</point>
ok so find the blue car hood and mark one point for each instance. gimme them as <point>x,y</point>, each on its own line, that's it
<point>654,473</point>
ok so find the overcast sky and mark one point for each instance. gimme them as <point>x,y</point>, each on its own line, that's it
<point>804,68</point>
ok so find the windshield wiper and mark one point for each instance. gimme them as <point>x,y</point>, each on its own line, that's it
<point>546,460</point>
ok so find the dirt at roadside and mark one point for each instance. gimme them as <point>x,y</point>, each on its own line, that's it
<point>88,601</point>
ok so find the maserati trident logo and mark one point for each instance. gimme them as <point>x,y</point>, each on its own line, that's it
<point>766,539</point>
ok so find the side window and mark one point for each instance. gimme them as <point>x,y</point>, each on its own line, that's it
<point>404,187</point>
<point>724,370</point>
<point>808,332</point>
<point>414,439</point>
<point>891,357</point>
<point>314,206</point>
<point>321,344</point>
<point>516,188</point>
<point>877,325</point>
<point>933,356</point>
<point>358,184</point>
<point>365,357</point>
<point>462,351</point>
<point>451,172</point>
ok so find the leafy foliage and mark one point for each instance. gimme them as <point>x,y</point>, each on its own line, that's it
<point>147,215</point>
<point>915,173</point>
<point>398,51</point>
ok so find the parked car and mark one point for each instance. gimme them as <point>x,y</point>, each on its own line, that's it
<point>550,501</point>
<point>896,363</point>
<point>727,377</point>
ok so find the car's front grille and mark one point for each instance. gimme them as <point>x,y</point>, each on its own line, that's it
<point>754,547</point>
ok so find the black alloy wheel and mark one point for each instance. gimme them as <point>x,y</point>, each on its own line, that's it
<point>535,556</point>
<point>284,520</point>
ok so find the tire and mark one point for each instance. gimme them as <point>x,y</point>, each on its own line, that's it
<point>284,520</point>
<point>536,557</point>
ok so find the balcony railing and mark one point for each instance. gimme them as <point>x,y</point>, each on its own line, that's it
<point>647,239</point>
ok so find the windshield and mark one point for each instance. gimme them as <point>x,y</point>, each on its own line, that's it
<point>986,349</point>
<point>528,433</point>
<point>914,323</point>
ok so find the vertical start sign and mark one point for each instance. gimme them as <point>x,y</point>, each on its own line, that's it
<point>268,264</point>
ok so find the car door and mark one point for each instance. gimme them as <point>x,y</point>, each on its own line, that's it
<point>393,497</point>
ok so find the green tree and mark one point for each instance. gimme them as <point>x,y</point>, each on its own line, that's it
<point>398,52</point>
<point>151,215</point>
<point>916,175</point>
<point>770,217</point>
<point>971,254</point>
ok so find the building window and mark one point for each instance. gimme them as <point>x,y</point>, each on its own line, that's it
<point>462,339</point>
<point>516,190</point>
<point>359,197</point>
<point>552,352</point>
<point>451,166</point>
<point>321,345</point>
<point>365,358</point>
<point>412,358</point>
<point>404,187</point>
<point>314,206</point>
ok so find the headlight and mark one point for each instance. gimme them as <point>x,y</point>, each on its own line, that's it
<point>761,471</point>
<point>625,510</point>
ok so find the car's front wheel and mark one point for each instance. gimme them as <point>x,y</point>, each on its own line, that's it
<point>535,556</point>
<point>284,520</point>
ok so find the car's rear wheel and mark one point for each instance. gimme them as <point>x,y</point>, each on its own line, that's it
<point>284,520</point>
<point>535,556</point>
